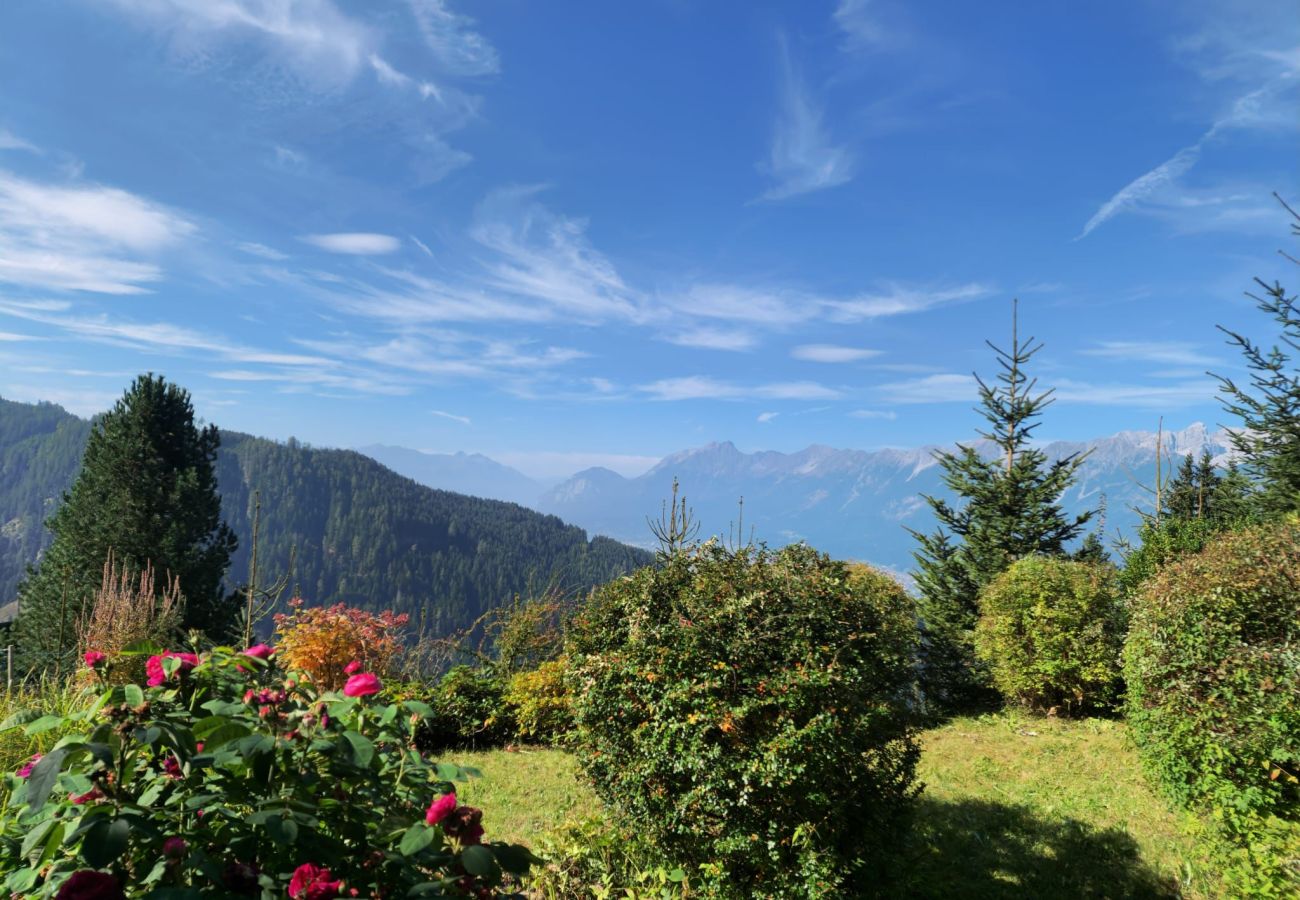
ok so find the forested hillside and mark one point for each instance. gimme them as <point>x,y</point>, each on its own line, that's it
<point>362,533</point>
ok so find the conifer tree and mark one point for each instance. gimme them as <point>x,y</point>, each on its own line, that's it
<point>146,491</point>
<point>1269,407</point>
<point>1007,508</point>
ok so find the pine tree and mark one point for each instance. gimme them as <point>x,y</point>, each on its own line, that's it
<point>1269,408</point>
<point>1008,508</point>
<point>1192,492</point>
<point>147,492</point>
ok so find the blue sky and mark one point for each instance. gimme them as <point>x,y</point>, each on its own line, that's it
<point>587,232</point>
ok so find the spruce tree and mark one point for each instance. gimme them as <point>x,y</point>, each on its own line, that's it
<point>146,491</point>
<point>1007,508</point>
<point>1269,407</point>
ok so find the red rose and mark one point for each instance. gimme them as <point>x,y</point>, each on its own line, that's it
<point>28,766</point>
<point>312,882</point>
<point>440,809</point>
<point>362,685</point>
<point>90,885</point>
<point>352,668</point>
<point>175,848</point>
<point>94,658</point>
<point>260,651</point>
<point>158,675</point>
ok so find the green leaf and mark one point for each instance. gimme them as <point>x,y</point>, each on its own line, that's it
<point>282,829</point>
<point>22,717</point>
<point>36,836</point>
<point>422,709</point>
<point>21,881</point>
<point>41,781</point>
<point>417,837</point>
<point>389,714</point>
<point>44,724</point>
<point>105,842</point>
<point>134,696</point>
<point>480,861</point>
<point>514,858</point>
<point>450,772</point>
<point>363,751</point>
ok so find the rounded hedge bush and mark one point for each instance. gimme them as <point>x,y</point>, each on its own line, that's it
<point>1213,670</point>
<point>1051,631</point>
<point>748,712</point>
<point>540,702</point>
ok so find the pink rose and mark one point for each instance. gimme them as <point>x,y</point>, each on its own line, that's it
<point>440,809</point>
<point>158,675</point>
<point>312,882</point>
<point>352,668</point>
<point>362,685</point>
<point>89,797</point>
<point>260,651</point>
<point>94,659</point>
<point>90,885</point>
<point>28,766</point>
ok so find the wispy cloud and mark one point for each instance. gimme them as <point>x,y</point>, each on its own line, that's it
<point>712,339</point>
<point>1173,353</point>
<point>11,141</point>
<point>456,46</point>
<point>255,249</point>
<point>897,300</point>
<point>803,158</point>
<point>765,417</point>
<point>74,237</point>
<point>464,420</point>
<point>1157,397</point>
<point>832,353</point>
<point>701,387</point>
<point>357,243</point>
<point>941,388</point>
<point>887,414</point>
<point>861,26</point>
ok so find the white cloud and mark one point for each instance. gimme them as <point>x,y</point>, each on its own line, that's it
<point>11,141</point>
<point>455,46</point>
<point>765,417</point>
<point>255,249</point>
<point>802,159</point>
<point>455,418</point>
<point>358,243</point>
<point>72,237</point>
<point>548,257</point>
<point>701,387</point>
<point>754,306</point>
<point>712,339</point>
<point>886,414</point>
<point>11,337</point>
<point>897,300</point>
<point>1158,397</point>
<point>1139,189</point>
<point>942,388</point>
<point>861,27</point>
<point>1173,353</point>
<point>832,353</point>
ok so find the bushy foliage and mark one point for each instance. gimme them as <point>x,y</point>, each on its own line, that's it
<point>225,778</point>
<point>540,703</point>
<point>469,710</point>
<point>596,858</point>
<point>747,711</point>
<point>1052,632</point>
<point>1162,542</point>
<point>1212,664</point>
<point>324,640</point>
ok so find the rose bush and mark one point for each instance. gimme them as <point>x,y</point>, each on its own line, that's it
<point>232,777</point>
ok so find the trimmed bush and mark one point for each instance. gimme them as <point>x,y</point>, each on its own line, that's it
<point>540,702</point>
<point>223,777</point>
<point>1213,670</point>
<point>747,711</point>
<point>469,711</point>
<point>1051,632</point>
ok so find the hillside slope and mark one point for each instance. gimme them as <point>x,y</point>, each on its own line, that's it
<point>360,532</point>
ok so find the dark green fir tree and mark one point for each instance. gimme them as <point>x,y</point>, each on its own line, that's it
<point>1269,406</point>
<point>147,492</point>
<point>1007,507</point>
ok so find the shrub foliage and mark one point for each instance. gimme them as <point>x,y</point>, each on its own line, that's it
<point>224,778</point>
<point>1213,670</point>
<point>1052,632</point>
<point>747,711</point>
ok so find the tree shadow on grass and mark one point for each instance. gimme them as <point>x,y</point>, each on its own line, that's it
<point>990,851</point>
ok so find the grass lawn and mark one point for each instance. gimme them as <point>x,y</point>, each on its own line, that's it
<point>1013,807</point>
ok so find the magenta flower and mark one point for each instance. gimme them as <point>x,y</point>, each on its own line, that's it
<point>440,809</point>
<point>260,651</point>
<point>175,848</point>
<point>352,668</point>
<point>362,685</point>
<point>90,885</point>
<point>89,797</point>
<point>28,766</point>
<point>94,659</point>
<point>158,675</point>
<point>312,882</point>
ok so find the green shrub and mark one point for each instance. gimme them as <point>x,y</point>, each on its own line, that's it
<point>1161,543</point>
<point>224,778</point>
<point>594,858</point>
<point>1051,632</point>
<point>470,711</point>
<point>540,702</point>
<point>1213,670</point>
<point>747,711</point>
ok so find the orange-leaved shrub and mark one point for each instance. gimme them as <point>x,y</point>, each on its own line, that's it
<point>322,641</point>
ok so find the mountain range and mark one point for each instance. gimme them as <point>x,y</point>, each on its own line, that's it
<point>336,523</point>
<point>855,504</point>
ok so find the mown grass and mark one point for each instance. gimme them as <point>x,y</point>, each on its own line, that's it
<point>1013,807</point>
